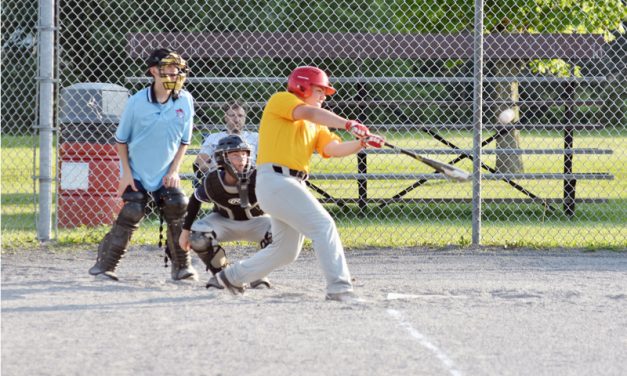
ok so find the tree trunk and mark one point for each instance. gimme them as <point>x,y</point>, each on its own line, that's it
<point>508,92</point>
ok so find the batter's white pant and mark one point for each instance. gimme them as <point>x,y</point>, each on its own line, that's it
<point>295,214</point>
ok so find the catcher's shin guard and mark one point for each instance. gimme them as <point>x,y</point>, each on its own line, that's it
<point>211,253</point>
<point>174,206</point>
<point>115,243</point>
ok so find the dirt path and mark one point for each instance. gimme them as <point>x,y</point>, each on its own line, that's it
<point>427,312</point>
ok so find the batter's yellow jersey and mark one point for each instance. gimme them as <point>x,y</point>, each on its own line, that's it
<point>289,142</point>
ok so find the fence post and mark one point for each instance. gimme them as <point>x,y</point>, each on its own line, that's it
<point>46,117</point>
<point>569,115</point>
<point>477,114</point>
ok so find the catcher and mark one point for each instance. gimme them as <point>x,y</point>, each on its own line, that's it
<point>152,138</point>
<point>236,214</point>
<point>293,125</point>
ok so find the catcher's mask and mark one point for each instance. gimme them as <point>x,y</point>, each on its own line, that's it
<point>164,58</point>
<point>230,144</point>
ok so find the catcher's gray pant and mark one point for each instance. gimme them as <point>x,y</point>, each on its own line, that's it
<point>295,213</point>
<point>226,229</point>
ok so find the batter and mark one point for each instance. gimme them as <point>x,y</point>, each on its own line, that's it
<point>293,125</point>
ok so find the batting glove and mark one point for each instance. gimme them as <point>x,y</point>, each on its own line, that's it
<point>373,141</point>
<point>357,129</point>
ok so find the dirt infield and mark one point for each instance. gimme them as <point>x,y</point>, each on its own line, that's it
<point>452,312</point>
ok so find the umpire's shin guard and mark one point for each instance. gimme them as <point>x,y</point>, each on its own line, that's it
<point>111,250</point>
<point>174,206</point>
<point>115,243</point>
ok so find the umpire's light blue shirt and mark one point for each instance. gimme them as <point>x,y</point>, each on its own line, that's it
<point>154,132</point>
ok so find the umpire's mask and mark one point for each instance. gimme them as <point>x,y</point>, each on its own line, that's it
<point>174,83</point>
<point>173,79</point>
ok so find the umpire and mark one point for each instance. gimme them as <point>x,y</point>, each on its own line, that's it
<point>152,138</point>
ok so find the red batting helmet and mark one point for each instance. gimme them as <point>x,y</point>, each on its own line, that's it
<point>300,80</point>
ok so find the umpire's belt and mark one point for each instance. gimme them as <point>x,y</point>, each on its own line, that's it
<point>301,175</point>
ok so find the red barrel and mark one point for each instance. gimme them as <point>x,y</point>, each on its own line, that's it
<point>89,176</point>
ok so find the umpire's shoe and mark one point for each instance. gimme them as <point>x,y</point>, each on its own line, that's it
<point>181,268</point>
<point>225,283</point>
<point>185,272</point>
<point>109,255</point>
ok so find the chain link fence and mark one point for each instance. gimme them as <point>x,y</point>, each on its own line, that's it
<point>553,106</point>
<point>19,116</point>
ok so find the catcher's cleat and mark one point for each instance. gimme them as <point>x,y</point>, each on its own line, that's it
<point>213,282</point>
<point>225,283</point>
<point>344,297</point>
<point>261,283</point>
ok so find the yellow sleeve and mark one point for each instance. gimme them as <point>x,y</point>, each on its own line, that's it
<point>324,137</point>
<point>282,104</point>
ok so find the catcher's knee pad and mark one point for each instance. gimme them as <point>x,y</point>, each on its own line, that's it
<point>174,204</point>
<point>267,239</point>
<point>133,210</point>
<point>201,242</point>
<point>208,250</point>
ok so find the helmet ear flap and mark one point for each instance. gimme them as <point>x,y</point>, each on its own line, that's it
<point>303,91</point>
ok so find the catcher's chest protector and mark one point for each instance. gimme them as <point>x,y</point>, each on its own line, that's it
<point>227,203</point>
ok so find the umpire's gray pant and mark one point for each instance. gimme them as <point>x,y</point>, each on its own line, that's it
<point>295,214</point>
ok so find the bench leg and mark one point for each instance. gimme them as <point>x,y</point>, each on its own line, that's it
<point>569,197</point>
<point>325,194</point>
<point>362,168</point>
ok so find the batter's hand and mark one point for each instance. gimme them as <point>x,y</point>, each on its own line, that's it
<point>373,141</point>
<point>357,129</point>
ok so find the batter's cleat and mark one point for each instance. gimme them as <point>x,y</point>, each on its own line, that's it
<point>225,283</point>
<point>344,297</point>
<point>213,283</point>
<point>261,283</point>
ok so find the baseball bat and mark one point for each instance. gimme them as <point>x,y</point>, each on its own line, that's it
<point>449,171</point>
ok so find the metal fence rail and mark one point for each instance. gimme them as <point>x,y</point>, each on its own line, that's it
<point>411,70</point>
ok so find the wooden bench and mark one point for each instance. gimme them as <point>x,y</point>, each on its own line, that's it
<point>278,45</point>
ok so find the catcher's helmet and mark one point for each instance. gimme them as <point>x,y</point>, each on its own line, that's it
<point>229,144</point>
<point>301,79</point>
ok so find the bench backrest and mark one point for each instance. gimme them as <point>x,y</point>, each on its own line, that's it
<point>365,45</point>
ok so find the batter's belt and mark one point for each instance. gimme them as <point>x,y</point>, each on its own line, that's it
<point>301,175</point>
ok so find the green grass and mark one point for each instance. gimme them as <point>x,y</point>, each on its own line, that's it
<point>593,226</point>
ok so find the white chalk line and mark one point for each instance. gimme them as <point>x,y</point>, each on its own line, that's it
<point>397,296</point>
<point>424,341</point>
